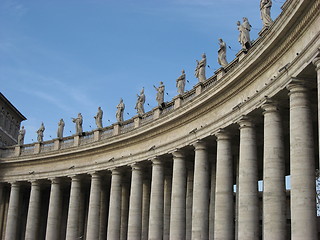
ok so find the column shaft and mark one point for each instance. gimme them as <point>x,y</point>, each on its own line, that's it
<point>200,205</point>
<point>212,196</point>
<point>167,206</point>
<point>224,205</point>
<point>248,212</point>
<point>145,208</point>
<point>302,165</point>
<point>178,197</point>
<point>93,224</point>
<point>189,203</point>
<point>33,212</point>
<point>13,210</point>
<point>73,212</point>
<point>274,192</point>
<point>156,201</point>
<point>316,62</point>
<point>125,199</point>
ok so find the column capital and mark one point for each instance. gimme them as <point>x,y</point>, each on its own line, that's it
<point>245,122</point>
<point>156,161</point>
<point>115,171</point>
<point>222,134</point>
<point>55,180</point>
<point>316,62</point>
<point>14,184</point>
<point>178,153</point>
<point>199,145</point>
<point>135,166</point>
<point>270,106</point>
<point>297,85</point>
<point>34,182</point>
<point>94,174</point>
<point>74,177</point>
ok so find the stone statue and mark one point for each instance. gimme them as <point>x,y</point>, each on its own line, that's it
<point>22,133</point>
<point>265,7</point>
<point>120,110</point>
<point>60,129</point>
<point>140,102</point>
<point>200,71</point>
<point>160,94</point>
<point>98,118</point>
<point>222,57</point>
<point>78,121</point>
<point>244,36</point>
<point>181,82</point>
<point>40,133</point>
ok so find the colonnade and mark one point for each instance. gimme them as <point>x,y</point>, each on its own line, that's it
<point>206,190</point>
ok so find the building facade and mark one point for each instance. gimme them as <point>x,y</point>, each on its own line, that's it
<point>212,164</point>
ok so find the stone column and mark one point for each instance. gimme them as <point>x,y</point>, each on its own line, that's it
<point>200,205</point>
<point>224,205</point>
<point>103,213</point>
<point>189,199</point>
<point>73,212</point>
<point>135,207</point>
<point>93,225</point>
<point>156,200</point>
<point>145,208</point>
<point>212,159</point>
<point>125,198</point>
<point>302,165</point>
<point>274,191</point>
<point>54,212</point>
<point>316,62</point>
<point>248,212</point>
<point>13,210</point>
<point>167,204</point>
<point>33,212</point>
<point>178,197</point>
<point>113,231</point>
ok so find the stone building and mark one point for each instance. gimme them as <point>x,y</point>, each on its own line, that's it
<point>191,170</point>
<point>10,120</point>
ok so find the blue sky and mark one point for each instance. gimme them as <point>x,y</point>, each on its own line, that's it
<point>62,57</point>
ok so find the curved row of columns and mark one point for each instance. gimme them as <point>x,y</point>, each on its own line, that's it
<point>139,210</point>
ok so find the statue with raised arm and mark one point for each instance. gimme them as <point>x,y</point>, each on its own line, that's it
<point>60,129</point>
<point>181,82</point>
<point>40,133</point>
<point>22,133</point>
<point>222,57</point>
<point>160,94</point>
<point>120,110</point>
<point>200,71</point>
<point>98,118</point>
<point>140,102</point>
<point>78,121</point>
<point>244,34</point>
<point>265,12</point>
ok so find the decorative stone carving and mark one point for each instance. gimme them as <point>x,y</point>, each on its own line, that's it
<point>78,121</point>
<point>160,94</point>
<point>244,36</point>
<point>60,129</point>
<point>98,118</point>
<point>22,133</point>
<point>140,102</point>
<point>120,110</point>
<point>200,71</point>
<point>40,133</point>
<point>222,57</point>
<point>181,82</point>
<point>265,7</point>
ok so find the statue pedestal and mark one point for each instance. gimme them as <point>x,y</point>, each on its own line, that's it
<point>241,54</point>
<point>97,135</point>
<point>37,147</point>
<point>137,121</point>
<point>220,73</point>
<point>156,112</point>
<point>17,151</point>
<point>263,31</point>
<point>116,128</point>
<point>76,140</point>
<point>177,101</point>
<point>56,144</point>
<point>199,87</point>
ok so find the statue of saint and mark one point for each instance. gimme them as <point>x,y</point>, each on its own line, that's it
<point>22,133</point>
<point>160,94</point>
<point>140,102</point>
<point>60,129</point>
<point>98,118</point>
<point>120,110</point>
<point>181,82</point>
<point>78,121</point>
<point>244,36</point>
<point>200,71</point>
<point>265,7</point>
<point>40,133</point>
<point>222,57</point>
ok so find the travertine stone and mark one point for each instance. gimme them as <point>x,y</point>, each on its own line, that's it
<point>167,205</point>
<point>316,62</point>
<point>76,141</point>
<point>137,121</point>
<point>12,219</point>
<point>302,164</point>
<point>178,197</point>
<point>156,113</point>
<point>156,200</point>
<point>73,212</point>
<point>199,88</point>
<point>37,148</point>
<point>17,151</point>
<point>212,198</point>
<point>248,212</point>
<point>54,212</point>
<point>103,212</point>
<point>177,101</point>
<point>94,209</point>
<point>125,199</point>
<point>116,129</point>
<point>135,207</point>
<point>200,205</point>
<point>113,231</point>
<point>189,203</point>
<point>274,195</point>
<point>145,209</point>
<point>224,206</point>
<point>33,217</point>
<point>56,144</point>
<point>97,135</point>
